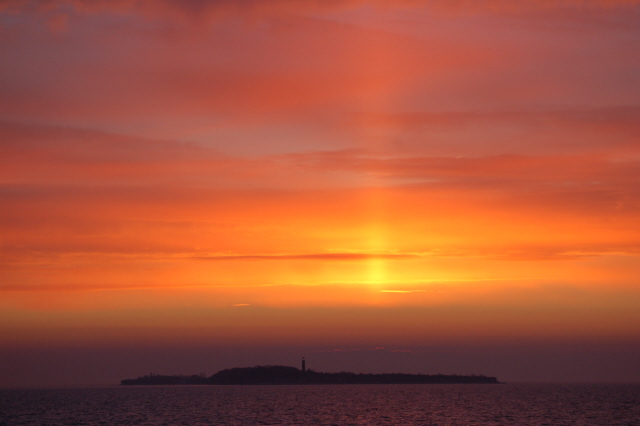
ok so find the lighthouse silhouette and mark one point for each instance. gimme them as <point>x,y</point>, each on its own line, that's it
<point>304,369</point>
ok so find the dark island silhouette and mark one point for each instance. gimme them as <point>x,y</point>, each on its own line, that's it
<point>284,375</point>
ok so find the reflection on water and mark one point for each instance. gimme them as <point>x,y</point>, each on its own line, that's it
<point>510,404</point>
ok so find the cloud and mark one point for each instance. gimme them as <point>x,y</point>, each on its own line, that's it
<point>31,154</point>
<point>195,9</point>
<point>37,154</point>
<point>223,79</point>
<point>604,119</point>
<point>313,256</point>
<point>612,131</point>
<point>70,192</point>
<point>592,174</point>
<point>229,84</point>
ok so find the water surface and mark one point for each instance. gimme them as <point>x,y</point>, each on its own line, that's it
<point>509,404</point>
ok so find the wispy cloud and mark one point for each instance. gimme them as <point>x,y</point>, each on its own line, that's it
<point>195,9</point>
<point>312,256</point>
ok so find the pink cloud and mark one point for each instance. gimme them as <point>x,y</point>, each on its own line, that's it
<point>195,9</point>
<point>37,154</point>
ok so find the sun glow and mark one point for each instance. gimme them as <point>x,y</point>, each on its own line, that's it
<point>376,272</point>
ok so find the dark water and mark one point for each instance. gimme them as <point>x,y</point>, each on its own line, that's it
<point>511,404</point>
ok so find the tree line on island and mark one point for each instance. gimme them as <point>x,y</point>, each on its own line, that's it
<point>284,375</point>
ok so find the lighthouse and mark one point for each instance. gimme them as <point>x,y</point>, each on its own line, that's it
<point>304,369</point>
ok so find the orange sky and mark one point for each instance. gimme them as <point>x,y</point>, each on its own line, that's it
<point>283,171</point>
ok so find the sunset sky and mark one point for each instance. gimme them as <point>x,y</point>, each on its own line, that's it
<point>430,186</point>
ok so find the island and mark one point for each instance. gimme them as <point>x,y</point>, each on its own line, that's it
<point>285,375</point>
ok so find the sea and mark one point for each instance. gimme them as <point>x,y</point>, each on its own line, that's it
<point>504,404</point>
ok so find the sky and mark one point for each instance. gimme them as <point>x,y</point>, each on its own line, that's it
<point>421,186</point>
